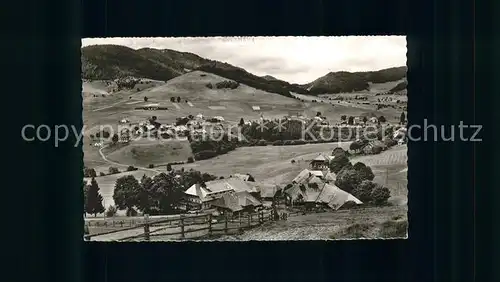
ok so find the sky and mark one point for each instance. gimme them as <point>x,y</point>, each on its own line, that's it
<point>293,59</point>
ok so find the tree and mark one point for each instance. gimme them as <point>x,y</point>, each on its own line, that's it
<point>380,195</point>
<point>364,171</point>
<point>178,99</point>
<point>350,120</point>
<point>190,160</point>
<point>318,114</point>
<point>338,151</point>
<point>365,119</point>
<point>89,172</point>
<point>364,191</point>
<point>145,99</point>
<point>338,163</point>
<point>114,139</point>
<point>242,122</point>
<point>126,192</point>
<point>145,196</point>
<point>347,179</point>
<point>94,199</point>
<point>382,119</point>
<point>343,118</point>
<point>169,167</point>
<point>402,118</point>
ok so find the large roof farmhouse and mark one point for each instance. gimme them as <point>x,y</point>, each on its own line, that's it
<point>326,194</point>
<point>201,196</point>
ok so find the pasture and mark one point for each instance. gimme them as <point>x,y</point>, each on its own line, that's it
<point>363,222</point>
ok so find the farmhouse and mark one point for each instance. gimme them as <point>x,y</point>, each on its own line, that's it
<point>256,108</point>
<point>321,162</point>
<point>199,196</point>
<point>309,176</point>
<point>325,195</point>
<point>235,202</point>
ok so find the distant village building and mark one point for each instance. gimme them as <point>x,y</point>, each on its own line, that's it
<point>321,162</point>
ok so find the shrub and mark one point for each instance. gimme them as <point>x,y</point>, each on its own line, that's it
<point>102,174</point>
<point>277,143</point>
<point>169,167</point>
<point>111,211</point>
<point>262,143</point>
<point>113,170</point>
<point>131,168</point>
<point>151,166</point>
<point>190,160</point>
<point>209,85</point>
<point>293,161</point>
<point>377,149</point>
<point>145,99</point>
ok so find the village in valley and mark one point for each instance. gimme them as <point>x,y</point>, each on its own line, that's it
<point>204,150</point>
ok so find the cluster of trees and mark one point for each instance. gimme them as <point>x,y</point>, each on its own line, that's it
<point>156,195</point>
<point>205,149</point>
<point>275,130</point>
<point>224,84</point>
<point>357,179</point>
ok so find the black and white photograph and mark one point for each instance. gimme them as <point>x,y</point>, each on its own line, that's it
<point>244,138</point>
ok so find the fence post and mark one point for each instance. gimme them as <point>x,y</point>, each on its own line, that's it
<point>182,227</point>
<point>209,224</point>
<point>261,217</point>
<point>146,227</point>
<point>225,224</point>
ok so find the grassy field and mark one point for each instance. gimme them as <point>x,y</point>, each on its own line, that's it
<point>370,223</point>
<point>386,222</point>
<point>158,152</point>
<point>268,164</point>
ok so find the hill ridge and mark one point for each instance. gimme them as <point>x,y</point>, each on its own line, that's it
<point>109,61</point>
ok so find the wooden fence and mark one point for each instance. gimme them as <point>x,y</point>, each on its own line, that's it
<point>193,226</point>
